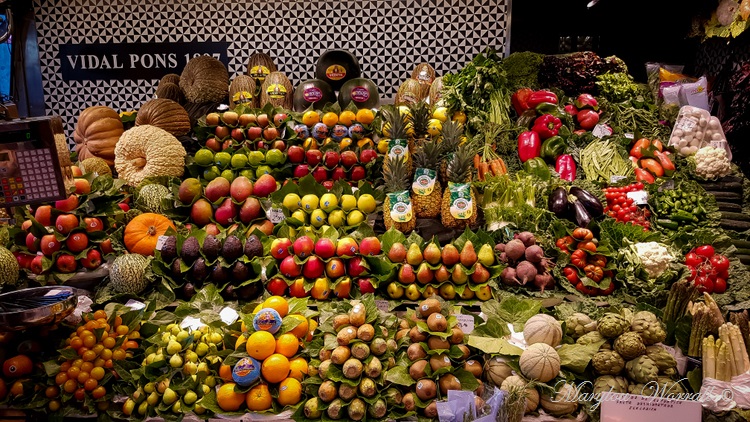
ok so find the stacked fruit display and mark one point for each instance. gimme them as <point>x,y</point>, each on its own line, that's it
<point>463,268</point>
<point>526,263</point>
<point>253,128</point>
<point>708,270</point>
<point>622,206</point>
<point>330,164</point>
<point>231,163</point>
<point>320,267</point>
<point>350,128</point>
<point>350,382</point>
<point>224,203</point>
<point>587,264</point>
<point>437,358</point>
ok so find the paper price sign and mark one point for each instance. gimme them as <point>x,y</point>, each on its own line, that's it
<point>640,197</point>
<point>601,131</point>
<point>228,315</point>
<point>160,242</point>
<point>275,215</point>
<point>465,323</point>
<point>135,305</point>
<point>631,407</point>
<point>615,179</point>
<point>382,305</point>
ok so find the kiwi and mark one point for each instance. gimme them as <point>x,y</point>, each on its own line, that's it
<point>340,321</point>
<point>402,333</point>
<point>357,409</point>
<point>417,369</point>
<point>448,382</point>
<point>312,410</point>
<point>426,389</point>
<point>340,355</point>
<point>327,391</point>
<point>457,336</point>
<point>465,352</point>
<point>367,387</point>
<point>392,345</point>
<point>403,324</point>
<point>347,392</point>
<point>365,332</point>
<point>474,367</point>
<point>437,343</point>
<point>378,346</point>
<point>429,307</point>
<point>437,323</point>
<point>352,368</point>
<point>416,335</point>
<point>360,351</point>
<point>357,315</point>
<point>335,409</point>
<point>408,402</point>
<point>415,352</point>
<point>431,410</point>
<point>374,368</point>
<point>345,336</point>
<point>325,354</point>
<point>439,361</point>
<point>378,410</point>
<point>393,397</point>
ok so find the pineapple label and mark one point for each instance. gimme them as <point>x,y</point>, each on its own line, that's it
<point>424,181</point>
<point>242,97</point>
<point>336,72</point>
<point>460,200</point>
<point>400,206</point>
<point>398,148</point>
<point>260,72</point>
<point>276,91</point>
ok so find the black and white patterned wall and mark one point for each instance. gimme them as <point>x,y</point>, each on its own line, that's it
<point>388,37</point>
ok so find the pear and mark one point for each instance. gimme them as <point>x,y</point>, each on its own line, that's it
<point>414,255</point>
<point>450,255</point>
<point>486,255</point>
<point>468,255</point>
<point>459,276</point>
<point>432,254</point>
<point>480,274</point>
<point>169,397</point>
<point>406,274</point>
<point>442,274</point>
<point>424,274</point>
<point>397,253</point>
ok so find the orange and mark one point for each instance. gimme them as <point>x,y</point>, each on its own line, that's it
<point>287,345</point>
<point>97,373</point>
<point>227,399</point>
<point>278,303</point>
<point>100,314</point>
<point>347,117</point>
<point>301,329</point>
<point>51,392</point>
<point>260,345</point>
<point>313,326</point>
<point>290,392</point>
<point>17,388</point>
<point>259,398</point>
<point>330,119</point>
<point>241,340</point>
<point>365,143</point>
<point>243,327</point>
<point>298,368</point>
<point>310,118</point>
<point>459,117</point>
<point>365,116</point>
<point>225,373</point>
<point>275,368</point>
<point>18,366</point>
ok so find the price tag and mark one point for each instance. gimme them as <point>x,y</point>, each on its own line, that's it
<point>719,144</point>
<point>135,305</point>
<point>616,179</point>
<point>630,136</point>
<point>631,407</point>
<point>640,197</point>
<point>678,356</point>
<point>275,215</point>
<point>382,305</point>
<point>465,323</point>
<point>228,315</point>
<point>191,323</point>
<point>601,131</point>
<point>160,242</point>
<point>668,185</point>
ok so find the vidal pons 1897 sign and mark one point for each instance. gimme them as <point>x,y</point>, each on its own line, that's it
<point>100,61</point>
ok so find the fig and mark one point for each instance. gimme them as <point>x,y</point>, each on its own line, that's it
<point>365,332</point>
<point>346,335</point>
<point>352,368</point>
<point>367,387</point>
<point>357,409</point>
<point>335,409</point>
<point>360,351</point>
<point>374,368</point>
<point>408,402</point>
<point>431,410</point>
<point>340,355</point>
<point>347,392</point>
<point>357,315</point>
<point>311,409</point>
<point>378,410</point>
<point>340,321</point>
<point>378,346</point>
<point>323,368</point>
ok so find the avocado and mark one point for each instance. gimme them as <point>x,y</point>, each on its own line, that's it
<point>250,291</point>
<point>199,271</point>
<point>253,247</point>
<point>228,293</point>
<point>176,269</point>
<point>232,248</point>
<point>363,93</point>
<point>240,272</point>
<point>188,290</point>
<point>191,250</point>
<point>313,92</point>
<point>219,274</point>
<point>169,249</point>
<point>211,247</point>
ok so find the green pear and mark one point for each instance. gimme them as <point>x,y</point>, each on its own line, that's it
<point>175,361</point>
<point>169,397</point>
<point>190,397</point>
<point>182,336</point>
<point>201,349</point>
<point>149,388</point>
<point>173,347</point>
<point>143,408</point>
<point>177,407</point>
<point>191,356</point>
<point>153,398</point>
<point>414,255</point>
<point>486,255</point>
<point>190,368</point>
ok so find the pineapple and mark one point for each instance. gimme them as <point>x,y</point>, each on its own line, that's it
<point>396,179</point>
<point>420,119</point>
<point>450,140</point>
<point>459,171</point>
<point>428,157</point>
<point>396,124</point>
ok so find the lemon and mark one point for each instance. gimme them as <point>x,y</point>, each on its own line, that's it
<point>291,202</point>
<point>275,157</point>
<point>261,171</point>
<point>366,203</point>
<point>300,215</point>
<point>328,202</point>
<point>440,113</point>
<point>383,146</point>
<point>348,202</point>
<point>318,218</point>
<point>459,117</point>
<point>222,159</point>
<point>434,127</point>
<point>211,173</point>
<point>355,218</point>
<point>239,161</point>
<point>336,218</point>
<point>204,157</point>
<point>228,174</point>
<point>256,157</point>
<point>309,202</point>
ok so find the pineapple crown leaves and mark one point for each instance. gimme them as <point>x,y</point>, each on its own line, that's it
<point>420,118</point>
<point>397,121</point>
<point>451,136</point>
<point>459,167</point>
<point>395,176</point>
<point>428,156</point>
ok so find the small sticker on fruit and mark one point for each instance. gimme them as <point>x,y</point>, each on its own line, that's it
<point>398,148</point>
<point>260,72</point>
<point>335,72</point>
<point>400,206</point>
<point>312,94</point>
<point>360,94</point>
<point>424,181</point>
<point>242,97</point>
<point>160,242</point>
<point>460,200</point>
<point>276,91</point>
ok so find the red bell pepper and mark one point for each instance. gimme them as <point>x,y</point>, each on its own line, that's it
<point>541,96</point>
<point>586,101</point>
<point>547,126</point>
<point>642,175</point>
<point>571,109</point>
<point>639,146</point>
<point>587,118</point>
<point>565,166</point>
<point>520,100</point>
<point>529,145</point>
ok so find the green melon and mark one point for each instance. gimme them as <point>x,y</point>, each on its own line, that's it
<point>8,267</point>
<point>128,273</point>
<point>149,198</point>
<point>95,165</point>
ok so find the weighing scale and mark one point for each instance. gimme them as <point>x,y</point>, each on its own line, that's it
<point>30,171</point>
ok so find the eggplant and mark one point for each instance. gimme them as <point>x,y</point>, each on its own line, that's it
<point>589,201</point>
<point>558,202</point>
<point>583,218</point>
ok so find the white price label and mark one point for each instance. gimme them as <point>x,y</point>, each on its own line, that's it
<point>160,242</point>
<point>135,305</point>
<point>635,407</point>
<point>601,131</point>
<point>465,323</point>
<point>719,144</point>
<point>192,323</point>
<point>228,315</point>
<point>275,215</point>
<point>630,136</point>
<point>615,179</point>
<point>382,305</point>
<point>640,197</point>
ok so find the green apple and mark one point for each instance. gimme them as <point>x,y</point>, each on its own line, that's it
<point>337,218</point>
<point>255,158</point>
<point>239,161</point>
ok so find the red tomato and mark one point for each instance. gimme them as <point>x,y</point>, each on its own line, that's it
<point>705,251</point>
<point>693,260</point>
<point>720,285</point>
<point>693,273</point>
<point>707,270</point>
<point>704,284</point>
<point>720,262</point>
<point>608,291</point>
<point>724,274</point>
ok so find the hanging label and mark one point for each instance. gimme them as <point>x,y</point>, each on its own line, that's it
<point>191,323</point>
<point>242,97</point>
<point>336,72</point>
<point>722,144</point>
<point>135,305</point>
<point>228,315</point>
<point>460,200</point>
<point>382,305</point>
<point>160,242</point>
<point>424,181</point>
<point>275,215</point>
<point>276,91</point>
<point>424,76</point>
<point>616,179</point>
<point>465,323</point>
<point>640,197</point>
<point>398,148</point>
<point>260,72</point>
<point>668,185</point>
<point>601,131</point>
<point>400,206</point>
<point>618,407</point>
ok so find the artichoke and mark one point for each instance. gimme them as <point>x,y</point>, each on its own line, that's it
<point>627,314</point>
<point>612,325</point>
<point>648,326</point>
<point>610,384</point>
<point>630,345</point>
<point>669,386</point>
<point>579,324</point>
<point>663,359</point>
<point>642,389</point>
<point>608,362</point>
<point>642,370</point>
<point>590,338</point>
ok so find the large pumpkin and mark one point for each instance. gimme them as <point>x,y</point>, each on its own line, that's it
<point>97,132</point>
<point>142,233</point>
<point>204,79</point>
<point>165,114</point>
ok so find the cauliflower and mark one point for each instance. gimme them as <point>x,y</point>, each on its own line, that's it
<point>712,163</point>
<point>654,257</point>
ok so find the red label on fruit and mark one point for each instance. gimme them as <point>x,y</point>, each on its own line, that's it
<point>312,94</point>
<point>335,72</point>
<point>360,94</point>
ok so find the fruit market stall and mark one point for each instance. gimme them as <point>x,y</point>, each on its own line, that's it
<point>520,239</point>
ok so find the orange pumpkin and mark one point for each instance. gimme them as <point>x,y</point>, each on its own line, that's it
<point>142,233</point>
<point>97,132</point>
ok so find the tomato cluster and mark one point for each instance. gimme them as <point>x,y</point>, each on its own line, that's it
<point>585,260</point>
<point>708,270</point>
<point>624,209</point>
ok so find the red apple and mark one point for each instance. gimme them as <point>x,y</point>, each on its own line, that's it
<point>355,267</point>
<point>43,215</point>
<point>66,263</point>
<point>289,268</point>
<point>212,228</point>
<point>346,247</point>
<point>296,154</point>
<point>32,243</point>
<point>65,223</point>
<point>313,157</point>
<point>303,246</point>
<point>92,260</point>
<point>331,159</point>
<point>370,246</point>
<point>226,144</point>
<point>93,224</point>
<point>343,288</point>
<point>338,174</point>
<point>297,288</point>
<point>221,132</point>
<point>279,145</point>
<point>313,268</point>
<point>254,133</point>
<point>365,286</point>
<point>124,207</point>
<point>264,186</point>
<point>37,265</point>
<point>263,120</point>
<point>280,248</point>
<point>49,244</point>
<point>214,144</point>
<point>357,173</point>
<point>279,118</point>
<point>67,205</point>
<point>301,170</point>
<point>348,158</point>
<point>270,133</point>
<point>335,268</point>
<point>320,174</point>
<point>276,286</point>
<point>367,155</point>
<point>238,134</point>
<point>246,119</point>
<point>106,247</point>
<point>328,184</point>
<point>23,259</point>
<point>77,242</point>
<point>83,186</point>
<point>325,248</point>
